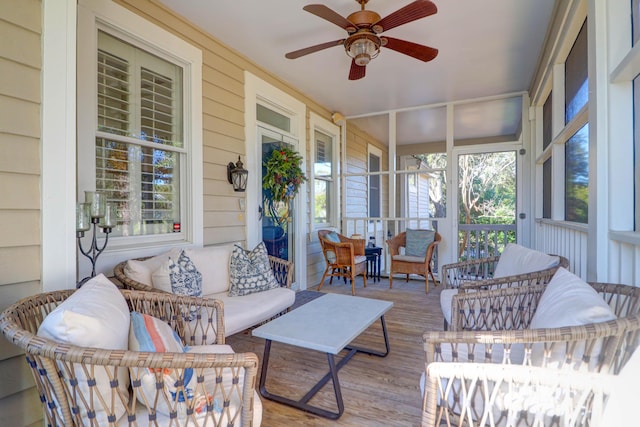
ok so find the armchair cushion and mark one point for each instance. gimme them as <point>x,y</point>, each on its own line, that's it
<point>418,241</point>
<point>569,301</point>
<point>250,272</point>
<point>516,259</point>
<point>96,315</point>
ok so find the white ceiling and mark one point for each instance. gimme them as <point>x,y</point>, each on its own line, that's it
<point>486,48</point>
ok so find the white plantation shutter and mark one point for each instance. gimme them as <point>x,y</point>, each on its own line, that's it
<point>139,137</point>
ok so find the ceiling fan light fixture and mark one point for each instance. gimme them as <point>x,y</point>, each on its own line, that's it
<point>363,48</point>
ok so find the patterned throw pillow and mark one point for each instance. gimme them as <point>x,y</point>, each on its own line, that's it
<point>185,278</point>
<point>418,241</point>
<point>250,271</point>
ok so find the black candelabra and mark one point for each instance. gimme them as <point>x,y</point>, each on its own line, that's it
<point>94,213</point>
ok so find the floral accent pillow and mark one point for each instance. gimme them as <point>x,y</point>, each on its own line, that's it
<point>250,271</point>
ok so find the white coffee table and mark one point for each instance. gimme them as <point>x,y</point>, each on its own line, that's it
<point>327,324</point>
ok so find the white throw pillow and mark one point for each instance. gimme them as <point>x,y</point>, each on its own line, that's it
<point>568,301</point>
<point>141,271</point>
<point>516,259</point>
<point>96,315</point>
<point>213,263</point>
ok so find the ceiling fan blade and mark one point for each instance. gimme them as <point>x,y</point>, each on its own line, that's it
<point>418,51</point>
<point>411,12</point>
<point>330,15</point>
<point>357,71</point>
<point>311,49</point>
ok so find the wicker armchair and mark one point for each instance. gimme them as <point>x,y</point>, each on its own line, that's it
<point>345,258</point>
<point>477,274</point>
<point>56,366</point>
<point>461,388</point>
<point>282,270</point>
<point>412,265</point>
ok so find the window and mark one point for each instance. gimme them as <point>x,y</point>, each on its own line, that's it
<point>547,136</point>
<point>325,191</point>
<point>140,125</point>
<point>139,139</point>
<point>577,146</point>
<point>577,176</point>
<point>636,143</point>
<point>374,182</point>
<point>323,178</point>
<point>576,78</point>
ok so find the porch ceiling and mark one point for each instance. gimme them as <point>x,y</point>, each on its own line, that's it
<point>486,48</point>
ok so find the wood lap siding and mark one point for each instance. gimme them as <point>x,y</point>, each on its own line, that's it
<point>20,99</point>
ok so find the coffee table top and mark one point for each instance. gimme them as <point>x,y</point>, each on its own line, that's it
<point>326,324</point>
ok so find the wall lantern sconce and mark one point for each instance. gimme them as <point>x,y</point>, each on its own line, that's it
<point>237,175</point>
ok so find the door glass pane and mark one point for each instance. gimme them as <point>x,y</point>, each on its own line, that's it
<point>374,186</point>
<point>273,118</point>
<point>278,218</point>
<point>486,203</point>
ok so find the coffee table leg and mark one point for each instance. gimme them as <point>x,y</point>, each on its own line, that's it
<point>302,403</point>
<point>375,352</point>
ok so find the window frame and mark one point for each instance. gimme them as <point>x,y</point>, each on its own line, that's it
<point>131,28</point>
<point>317,123</point>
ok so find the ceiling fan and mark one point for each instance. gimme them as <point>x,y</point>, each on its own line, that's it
<point>364,28</point>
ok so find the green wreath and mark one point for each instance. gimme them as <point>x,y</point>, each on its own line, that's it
<point>283,175</point>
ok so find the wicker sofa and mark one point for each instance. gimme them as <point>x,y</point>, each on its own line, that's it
<point>494,368</point>
<point>92,385</point>
<point>241,312</point>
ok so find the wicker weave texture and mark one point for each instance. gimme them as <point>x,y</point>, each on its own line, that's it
<point>341,259</point>
<point>57,368</point>
<point>499,337</point>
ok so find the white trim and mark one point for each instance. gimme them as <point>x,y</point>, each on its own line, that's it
<point>372,149</point>
<point>94,14</point>
<point>257,89</point>
<point>317,123</point>
<point>58,142</point>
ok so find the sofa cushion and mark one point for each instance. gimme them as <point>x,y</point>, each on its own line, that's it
<point>213,263</point>
<point>252,309</point>
<point>623,397</point>
<point>96,315</point>
<point>446,300</point>
<point>250,271</point>
<point>141,271</point>
<point>417,242</point>
<point>516,259</point>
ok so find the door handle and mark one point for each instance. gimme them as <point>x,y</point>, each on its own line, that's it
<point>260,213</point>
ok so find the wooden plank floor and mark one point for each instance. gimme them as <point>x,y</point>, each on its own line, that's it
<point>376,391</point>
